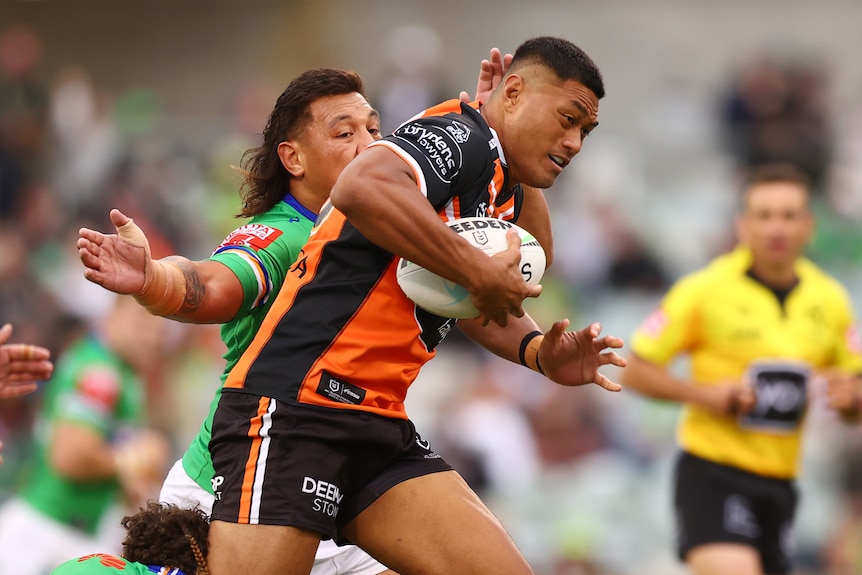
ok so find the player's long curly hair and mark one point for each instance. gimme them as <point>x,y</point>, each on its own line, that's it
<point>266,179</point>
<point>169,536</point>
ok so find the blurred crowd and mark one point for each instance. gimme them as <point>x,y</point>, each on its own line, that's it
<point>580,476</point>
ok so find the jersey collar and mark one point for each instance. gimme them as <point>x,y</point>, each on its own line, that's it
<point>294,203</point>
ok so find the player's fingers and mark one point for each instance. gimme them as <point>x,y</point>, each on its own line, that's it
<point>612,358</point>
<point>464,97</point>
<point>118,218</point>
<point>534,291</point>
<point>17,390</point>
<point>89,235</point>
<point>606,383</point>
<point>609,341</point>
<point>5,333</point>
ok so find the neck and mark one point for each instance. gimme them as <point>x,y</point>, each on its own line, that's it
<point>778,276</point>
<point>307,197</point>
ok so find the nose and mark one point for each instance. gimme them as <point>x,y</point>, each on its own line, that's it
<point>573,142</point>
<point>363,141</point>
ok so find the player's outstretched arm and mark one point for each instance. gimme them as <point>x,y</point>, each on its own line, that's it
<point>174,287</point>
<point>21,365</point>
<point>566,357</point>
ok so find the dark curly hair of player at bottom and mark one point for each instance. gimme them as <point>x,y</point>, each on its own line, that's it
<point>169,536</point>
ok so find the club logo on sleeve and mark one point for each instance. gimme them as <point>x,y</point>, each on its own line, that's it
<point>255,236</point>
<point>440,147</point>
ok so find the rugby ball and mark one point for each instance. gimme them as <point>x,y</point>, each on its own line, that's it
<point>442,297</point>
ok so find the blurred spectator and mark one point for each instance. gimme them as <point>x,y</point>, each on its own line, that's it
<point>412,83</point>
<point>779,111</point>
<point>23,108</point>
<point>86,146</point>
<point>91,447</point>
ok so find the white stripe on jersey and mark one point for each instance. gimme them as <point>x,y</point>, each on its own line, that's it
<point>255,266</point>
<point>260,467</point>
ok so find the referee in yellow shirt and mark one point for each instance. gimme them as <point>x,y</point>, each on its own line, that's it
<point>761,325</point>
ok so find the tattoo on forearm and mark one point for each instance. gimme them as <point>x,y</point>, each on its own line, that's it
<point>195,288</point>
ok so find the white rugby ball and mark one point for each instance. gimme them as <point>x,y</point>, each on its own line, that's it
<point>442,297</point>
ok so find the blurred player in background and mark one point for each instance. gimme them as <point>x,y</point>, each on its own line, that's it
<point>160,538</point>
<point>767,332</point>
<point>318,125</point>
<point>92,451</point>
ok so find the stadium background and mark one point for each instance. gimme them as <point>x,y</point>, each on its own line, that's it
<point>143,105</point>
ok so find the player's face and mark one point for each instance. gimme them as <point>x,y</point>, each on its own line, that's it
<point>776,223</point>
<point>340,127</point>
<point>547,124</point>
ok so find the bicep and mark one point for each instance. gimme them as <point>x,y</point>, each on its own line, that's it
<point>535,217</point>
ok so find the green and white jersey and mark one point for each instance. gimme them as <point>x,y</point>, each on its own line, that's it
<point>260,253</point>
<point>101,563</point>
<point>91,386</point>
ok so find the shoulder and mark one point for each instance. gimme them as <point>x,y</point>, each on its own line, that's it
<point>283,225</point>
<point>818,279</point>
<point>99,563</point>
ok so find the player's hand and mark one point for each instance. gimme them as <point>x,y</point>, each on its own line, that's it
<point>842,391</point>
<point>731,399</point>
<point>141,462</point>
<point>117,262</point>
<point>21,366</point>
<point>500,289</point>
<point>491,72</point>
<point>574,357</point>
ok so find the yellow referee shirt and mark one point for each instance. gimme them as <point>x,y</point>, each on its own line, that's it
<point>736,329</point>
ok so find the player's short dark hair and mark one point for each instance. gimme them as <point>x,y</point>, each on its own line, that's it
<point>565,59</point>
<point>266,180</point>
<point>772,173</point>
<point>169,536</point>
<point>777,172</point>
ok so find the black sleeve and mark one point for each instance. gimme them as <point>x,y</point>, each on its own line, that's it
<point>447,152</point>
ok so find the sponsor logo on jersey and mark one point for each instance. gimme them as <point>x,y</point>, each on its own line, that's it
<point>782,397</point>
<point>100,386</point>
<point>459,131</point>
<point>437,145</point>
<point>216,485</point>
<point>338,390</point>
<point>738,517</point>
<point>654,324</point>
<point>327,498</point>
<point>854,339</point>
<point>255,236</point>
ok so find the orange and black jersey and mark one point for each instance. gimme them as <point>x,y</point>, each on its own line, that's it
<point>341,333</point>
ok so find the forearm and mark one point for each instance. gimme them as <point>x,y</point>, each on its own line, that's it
<point>505,342</point>
<point>80,454</point>
<point>377,189</point>
<point>656,382</point>
<point>202,292</point>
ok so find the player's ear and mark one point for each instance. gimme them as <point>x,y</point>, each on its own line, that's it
<point>291,159</point>
<point>513,89</point>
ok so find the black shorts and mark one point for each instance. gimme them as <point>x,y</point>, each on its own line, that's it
<point>720,504</point>
<point>308,467</point>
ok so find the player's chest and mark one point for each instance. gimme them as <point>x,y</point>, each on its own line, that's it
<point>752,321</point>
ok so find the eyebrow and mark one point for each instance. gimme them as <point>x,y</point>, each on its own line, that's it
<point>583,110</point>
<point>374,114</point>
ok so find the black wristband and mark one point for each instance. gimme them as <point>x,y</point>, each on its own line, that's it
<point>527,339</point>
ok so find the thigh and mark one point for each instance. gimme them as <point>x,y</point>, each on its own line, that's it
<point>724,558</point>
<point>261,549</point>
<point>436,524</point>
